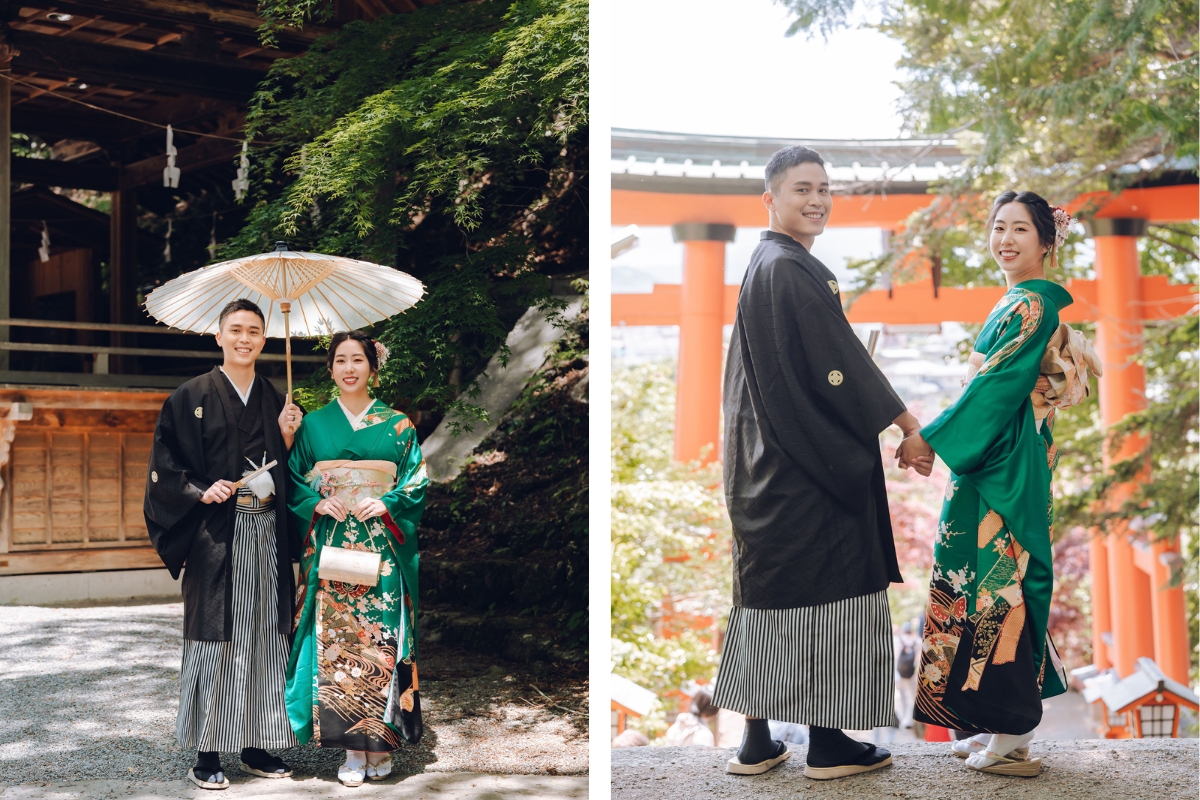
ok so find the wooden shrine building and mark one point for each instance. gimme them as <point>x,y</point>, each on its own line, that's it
<point>705,187</point>
<point>83,370</point>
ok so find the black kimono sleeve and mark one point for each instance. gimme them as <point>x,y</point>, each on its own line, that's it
<point>176,480</point>
<point>822,394</point>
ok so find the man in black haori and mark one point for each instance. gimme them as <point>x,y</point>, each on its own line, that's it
<point>810,635</point>
<point>234,541</point>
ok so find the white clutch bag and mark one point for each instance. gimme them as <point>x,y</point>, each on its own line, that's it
<point>349,566</point>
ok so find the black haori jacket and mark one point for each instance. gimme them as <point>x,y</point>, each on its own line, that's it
<point>804,405</point>
<point>197,441</point>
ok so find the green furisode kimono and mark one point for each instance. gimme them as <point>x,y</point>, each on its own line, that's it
<point>343,686</point>
<point>985,648</point>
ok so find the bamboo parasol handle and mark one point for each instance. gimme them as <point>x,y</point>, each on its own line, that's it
<point>286,308</point>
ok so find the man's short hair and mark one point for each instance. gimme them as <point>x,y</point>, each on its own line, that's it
<point>785,159</point>
<point>241,304</point>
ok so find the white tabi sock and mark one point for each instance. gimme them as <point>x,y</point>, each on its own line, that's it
<point>356,759</point>
<point>975,744</point>
<point>1002,744</point>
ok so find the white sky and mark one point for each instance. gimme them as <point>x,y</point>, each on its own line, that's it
<point>702,66</point>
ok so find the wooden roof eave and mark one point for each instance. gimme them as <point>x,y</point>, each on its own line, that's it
<point>237,23</point>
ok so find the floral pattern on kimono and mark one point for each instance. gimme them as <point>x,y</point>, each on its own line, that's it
<point>985,647</point>
<point>350,637</point>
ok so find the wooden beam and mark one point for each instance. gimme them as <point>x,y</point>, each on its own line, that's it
<point>73,121</point>
<point>80,560</point>
<point>238,23</point>
<point>65,174</point>
<point>914,304</point>
<point>197,156</point>
<point>212,76</point>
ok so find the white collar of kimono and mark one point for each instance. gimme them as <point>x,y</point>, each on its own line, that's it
<point>245,397</point>
<point>355,421</point>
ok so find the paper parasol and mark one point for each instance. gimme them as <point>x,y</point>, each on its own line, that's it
<point>301,294</point>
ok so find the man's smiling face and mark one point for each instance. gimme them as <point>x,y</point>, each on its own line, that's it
<point>800,203</point>
<point>241,338</point>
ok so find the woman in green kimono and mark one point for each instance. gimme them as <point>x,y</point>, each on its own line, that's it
<point>358,483</point>
<point>987,661</point>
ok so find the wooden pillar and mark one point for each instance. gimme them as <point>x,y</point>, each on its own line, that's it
<point>122,270</point>
<point>701,321</point>
<point>6,54</point>
<point>1168,608</point>
<point>1122,392</point>
<point>1101,601</point>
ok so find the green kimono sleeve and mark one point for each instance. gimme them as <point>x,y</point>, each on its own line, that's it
<point>302,498</point>
<point>406,502</point>
<point>963,434</point>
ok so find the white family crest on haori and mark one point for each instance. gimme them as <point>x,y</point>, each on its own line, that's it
<point>300,293</point>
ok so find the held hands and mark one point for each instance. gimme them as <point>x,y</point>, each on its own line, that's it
<point>915,452</point>
<point>364,510</point>
<point>219,492</point>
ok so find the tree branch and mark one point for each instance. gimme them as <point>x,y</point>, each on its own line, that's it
<point>1189,253</point>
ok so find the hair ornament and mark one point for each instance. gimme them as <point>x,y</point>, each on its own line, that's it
<point>381,353</point>
<point>1062,224</point>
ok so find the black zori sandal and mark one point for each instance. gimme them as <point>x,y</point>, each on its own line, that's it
<point>263,764</point>
<point>207,773</point>
<point>873,758</point>
<point>833,754</point>
<point>759,752</point>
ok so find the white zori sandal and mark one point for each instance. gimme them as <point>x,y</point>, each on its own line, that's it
<point>1015,762</point>
<point>354,771</point>
<point>963,748</point>
<point>380,770</point>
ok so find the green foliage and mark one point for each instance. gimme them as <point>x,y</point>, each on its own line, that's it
<point>670,538</point>
<point>525,492</point>
<point>449,143</point>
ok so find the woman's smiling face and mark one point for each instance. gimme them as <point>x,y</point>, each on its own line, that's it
<point>1013,240</point>
<point>351,370</point>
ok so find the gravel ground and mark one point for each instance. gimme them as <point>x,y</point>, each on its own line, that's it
<point>91,693</point>
<point>1090,769</point>
<point>440,785</point>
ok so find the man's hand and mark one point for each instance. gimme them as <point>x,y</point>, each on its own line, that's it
<point>915,452</point>
<point>333,507</point>
<point>219,492</point>
<point>289,422</point>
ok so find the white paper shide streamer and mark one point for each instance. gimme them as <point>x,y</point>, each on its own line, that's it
<point>44,250</point>
<point>171,172</point>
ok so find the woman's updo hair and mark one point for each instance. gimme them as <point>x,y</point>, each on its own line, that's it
<point>367,343</point>
<point>1039,210</point>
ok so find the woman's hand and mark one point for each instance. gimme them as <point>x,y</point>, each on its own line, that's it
<point>333,507</point>
<point>219,492</point>
<point>915,452</point>
<point>369,508</point>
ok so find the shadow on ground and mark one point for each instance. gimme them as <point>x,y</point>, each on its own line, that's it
<point>91,693</point>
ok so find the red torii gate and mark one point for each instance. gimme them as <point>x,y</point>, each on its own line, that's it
<point>1134,614</point>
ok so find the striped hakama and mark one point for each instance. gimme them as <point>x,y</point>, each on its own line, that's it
<point>829,665</point>
<point>231,694</point>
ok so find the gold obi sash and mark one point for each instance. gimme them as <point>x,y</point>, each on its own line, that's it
<point>352,481</point>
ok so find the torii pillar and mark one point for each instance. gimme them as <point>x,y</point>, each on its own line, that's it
<point>1130,603</point>
<point>701,345</point>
